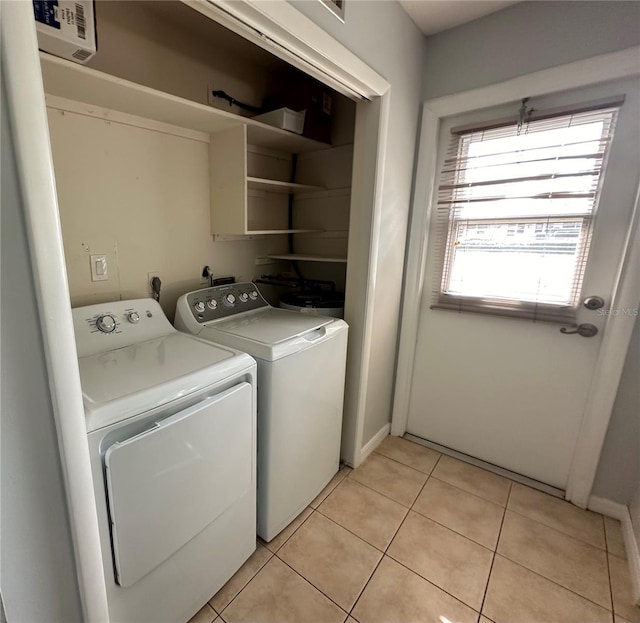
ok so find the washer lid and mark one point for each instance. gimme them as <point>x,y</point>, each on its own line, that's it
<point>119,383</point>
<point>270,326</point>
<point>270,334</point>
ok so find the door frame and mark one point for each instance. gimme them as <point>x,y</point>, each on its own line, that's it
<point>615,342</point>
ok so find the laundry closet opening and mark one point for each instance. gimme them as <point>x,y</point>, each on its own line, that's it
<point>162,177</point>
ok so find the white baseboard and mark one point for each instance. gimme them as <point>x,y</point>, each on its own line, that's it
<point>619,511</point>
<point>375,441</point>
<point>608,508</point>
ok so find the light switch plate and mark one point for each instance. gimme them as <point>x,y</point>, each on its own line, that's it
<point>99,268</point>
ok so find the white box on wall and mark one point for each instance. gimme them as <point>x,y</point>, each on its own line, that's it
<point>66,28</point>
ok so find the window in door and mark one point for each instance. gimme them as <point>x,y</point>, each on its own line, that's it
<point>515,211</point>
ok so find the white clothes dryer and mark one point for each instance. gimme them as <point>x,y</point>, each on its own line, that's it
<point>301,374</point>
<point>171,423</point>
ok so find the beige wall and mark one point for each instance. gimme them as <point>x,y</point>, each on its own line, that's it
<point>170,47</point>
<point>141,197</point>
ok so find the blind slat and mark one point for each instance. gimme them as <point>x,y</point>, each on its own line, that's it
<point>497,251</point>
<point>515,180</point>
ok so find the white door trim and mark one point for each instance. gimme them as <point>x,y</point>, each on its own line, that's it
<point>609,366</point>
<point>22,78</point>
<point>616,336</point>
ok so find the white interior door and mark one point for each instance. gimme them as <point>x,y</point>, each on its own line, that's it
<point>511,391</point>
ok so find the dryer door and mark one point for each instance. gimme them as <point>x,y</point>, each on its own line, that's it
<point>168,483</point>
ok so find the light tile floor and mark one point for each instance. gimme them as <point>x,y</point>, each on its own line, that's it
<point>412,536</point>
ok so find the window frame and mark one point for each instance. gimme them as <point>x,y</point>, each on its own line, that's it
<point>447,227</point>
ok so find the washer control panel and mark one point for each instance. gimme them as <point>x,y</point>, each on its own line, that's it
<point>223,301</point>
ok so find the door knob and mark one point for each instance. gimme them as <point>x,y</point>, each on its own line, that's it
<point>593,302</point>
<point>585,330</point>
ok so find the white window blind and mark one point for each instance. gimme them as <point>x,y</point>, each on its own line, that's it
<point>515,212</point>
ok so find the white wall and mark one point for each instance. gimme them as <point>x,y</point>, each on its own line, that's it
<point>618,475</point>
<point>635,513</point>
<point>526,37</point>
<point>37,567</point>
<point>383,35</point>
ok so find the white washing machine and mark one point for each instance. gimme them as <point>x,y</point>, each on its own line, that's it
<point>301,371</point>
<point>171,423</point>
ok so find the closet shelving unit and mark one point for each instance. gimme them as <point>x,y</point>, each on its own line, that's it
<point>232,213</point>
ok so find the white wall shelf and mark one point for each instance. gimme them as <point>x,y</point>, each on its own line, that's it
<point>70,80</point>
<point>275,186</point>
<point>298,257</point>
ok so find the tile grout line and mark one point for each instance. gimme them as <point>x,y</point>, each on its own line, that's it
<point>314,510</point>
<point>384,494</point>
<point>386,549</point>
<point>475,495</point>
<point>613,609</point>
<point>606,543</point>
<point>405,464</point>
<point>428,581</point>
<point>310,505</point>
<point>265,564</point>
<point>607,553</point>
<point>495,551</point>
<point>245,586</point>
<point>309,581</point>
<point>570,536</point>
<point>464,536</point>
<point>384,553</point>
<point>411,570</point>
<point>564,534</point>
<point>544,577</point>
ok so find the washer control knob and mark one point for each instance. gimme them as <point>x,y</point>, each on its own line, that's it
<point>229,300</point>
<point>199,307</point>
<point>244,297</point>
<point>212,303</point>
<point>133,317</point>
<point>106,323</point>
<point>253,295</point>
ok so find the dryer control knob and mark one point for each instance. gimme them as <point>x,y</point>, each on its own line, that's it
<point>199,307</point>
<point>106,323</point>
<point>229,300</point>
<point>133,317</point>
<point>212,303</point>
<point>253,295</point>
<point>244,297</point>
